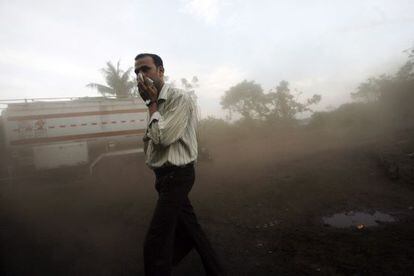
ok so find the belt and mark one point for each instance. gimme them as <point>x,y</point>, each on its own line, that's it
<point>167,168</point>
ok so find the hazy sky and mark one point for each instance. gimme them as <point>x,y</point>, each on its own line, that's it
<point>54,48</point>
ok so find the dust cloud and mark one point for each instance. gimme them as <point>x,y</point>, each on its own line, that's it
<point>261,192</point>
<point>264,183</point>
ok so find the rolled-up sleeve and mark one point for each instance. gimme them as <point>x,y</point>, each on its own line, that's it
<point>163,130</point>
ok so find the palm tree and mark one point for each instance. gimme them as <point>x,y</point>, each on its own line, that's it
<point>119,82</point>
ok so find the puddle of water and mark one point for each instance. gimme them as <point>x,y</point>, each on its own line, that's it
<point>357,219</point>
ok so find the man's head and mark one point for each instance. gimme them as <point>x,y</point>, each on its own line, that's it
<point>151,66</point>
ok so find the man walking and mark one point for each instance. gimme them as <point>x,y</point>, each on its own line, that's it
<point>170,146</point>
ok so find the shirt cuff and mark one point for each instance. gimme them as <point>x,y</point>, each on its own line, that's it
<point>154,117</point>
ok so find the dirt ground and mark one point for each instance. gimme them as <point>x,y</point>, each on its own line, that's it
<point>260,200</point>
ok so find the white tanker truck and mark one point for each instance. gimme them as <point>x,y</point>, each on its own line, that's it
<point>53,133</point>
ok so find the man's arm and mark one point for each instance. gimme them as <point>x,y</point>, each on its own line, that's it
<point>166,129</point>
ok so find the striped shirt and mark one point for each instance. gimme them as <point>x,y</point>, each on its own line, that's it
<point>171,136</point>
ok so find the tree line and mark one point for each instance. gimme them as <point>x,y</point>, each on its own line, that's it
<point>383,101</point>
<point>389,95</point>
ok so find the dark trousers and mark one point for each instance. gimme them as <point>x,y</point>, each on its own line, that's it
<point>174,230</point>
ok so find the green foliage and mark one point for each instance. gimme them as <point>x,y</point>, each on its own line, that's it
<point>211,125</point>
<point>382,102</point>
<point>284,106</point>
<point>246,98</point>
<point>348,115</point>
<point>279,105</point>
<point>212,129</point>
<point>119,83</point>
<point>190,85</point>
<point>393,93</point>
<point>372,89</point>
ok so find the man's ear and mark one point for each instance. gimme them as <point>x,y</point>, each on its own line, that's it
<point>161,71</point>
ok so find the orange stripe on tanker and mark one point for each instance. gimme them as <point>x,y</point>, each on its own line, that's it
<point>74,114</point>
<point>76,137</point>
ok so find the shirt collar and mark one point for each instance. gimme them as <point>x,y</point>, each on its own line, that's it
<point>163,93</point>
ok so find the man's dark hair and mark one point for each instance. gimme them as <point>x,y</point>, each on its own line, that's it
<point>157,60</point>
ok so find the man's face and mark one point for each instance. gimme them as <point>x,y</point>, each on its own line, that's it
<point>147,67</point>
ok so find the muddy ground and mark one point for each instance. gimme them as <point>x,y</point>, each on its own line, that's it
<point>261,201</point>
